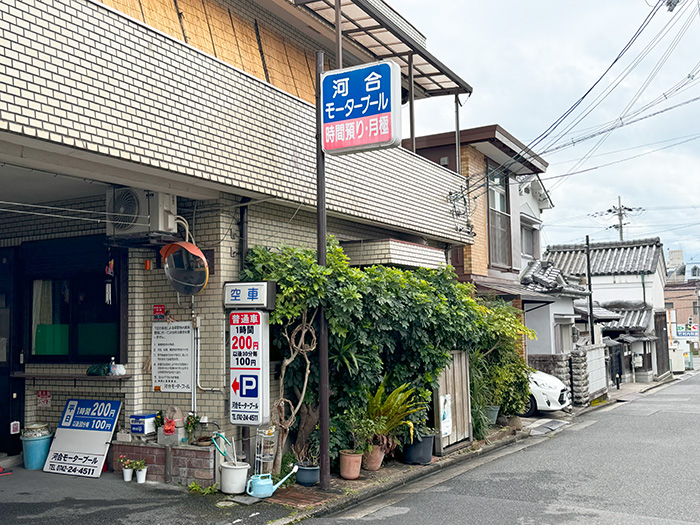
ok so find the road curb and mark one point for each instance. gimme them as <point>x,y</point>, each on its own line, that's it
<point>385,485</point>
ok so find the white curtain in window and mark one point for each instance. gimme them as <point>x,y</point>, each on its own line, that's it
<point>41,307</point>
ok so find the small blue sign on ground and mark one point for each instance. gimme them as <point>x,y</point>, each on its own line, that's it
<point>83,437</point>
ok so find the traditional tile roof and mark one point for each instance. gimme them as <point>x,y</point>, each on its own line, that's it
<point>544,277</point>
<point>636,316</point>
<point>599,313</point>
<point>608,258</point>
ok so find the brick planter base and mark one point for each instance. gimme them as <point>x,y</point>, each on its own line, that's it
<point>170,464</point>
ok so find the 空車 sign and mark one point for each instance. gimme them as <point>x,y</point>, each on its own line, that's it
<point>361,108</point>
<point>250,367</point>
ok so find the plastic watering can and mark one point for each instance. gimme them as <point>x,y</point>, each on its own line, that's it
<point>260,485</point>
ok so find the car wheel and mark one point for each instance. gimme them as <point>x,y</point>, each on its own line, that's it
<point>530,407</point>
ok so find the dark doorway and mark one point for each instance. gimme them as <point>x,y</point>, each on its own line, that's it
<point>616,363</point>
<point>11,390</point>
<point>663,364</point>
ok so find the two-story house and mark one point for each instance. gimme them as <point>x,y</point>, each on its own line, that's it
<point>506,196</point>
<point>124,121</point>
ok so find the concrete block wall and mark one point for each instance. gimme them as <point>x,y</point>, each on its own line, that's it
<point>79,75</point>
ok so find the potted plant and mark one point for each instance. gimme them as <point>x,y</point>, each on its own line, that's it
<point>361,430</point>
<point>127,467</point>
<point>139,465</point>
<point>420,451</point>
<point>306,457</point>
<point>389,413</point>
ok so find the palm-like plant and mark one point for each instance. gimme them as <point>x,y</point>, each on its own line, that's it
<point>391,412</point>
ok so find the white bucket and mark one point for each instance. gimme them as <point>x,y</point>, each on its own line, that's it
<point>234,477</point>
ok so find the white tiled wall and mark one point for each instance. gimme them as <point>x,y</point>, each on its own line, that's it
<point>76,73</point>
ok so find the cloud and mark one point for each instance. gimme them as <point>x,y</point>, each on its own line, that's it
<point>530,61</point>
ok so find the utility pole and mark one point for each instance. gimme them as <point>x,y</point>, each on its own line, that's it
<point>621,212</point>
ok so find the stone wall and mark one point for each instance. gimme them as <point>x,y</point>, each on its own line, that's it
<point>581,394</point>
<point>574,374</point>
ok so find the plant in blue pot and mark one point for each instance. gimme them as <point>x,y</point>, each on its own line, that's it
<point>307,460</point>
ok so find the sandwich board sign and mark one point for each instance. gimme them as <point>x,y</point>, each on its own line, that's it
<point>361,108</point>
<point>83,437</point>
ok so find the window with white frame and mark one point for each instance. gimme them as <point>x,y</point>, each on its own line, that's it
<point>563,338</point>
<point>529,240</point>
<point>499,217</point>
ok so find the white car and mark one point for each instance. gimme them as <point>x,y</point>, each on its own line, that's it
<point>547,394</point>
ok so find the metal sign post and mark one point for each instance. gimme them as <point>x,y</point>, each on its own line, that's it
<point>323,388</point>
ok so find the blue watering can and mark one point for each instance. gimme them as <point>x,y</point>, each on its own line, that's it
<point>260,485</point>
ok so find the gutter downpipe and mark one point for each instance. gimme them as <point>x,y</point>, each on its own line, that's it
<point>242,254</point>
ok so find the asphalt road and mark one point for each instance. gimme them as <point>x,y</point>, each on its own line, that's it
<point>635,462</point>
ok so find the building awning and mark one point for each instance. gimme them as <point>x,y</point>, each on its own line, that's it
<point>381,32</point>
<point>512,290</point>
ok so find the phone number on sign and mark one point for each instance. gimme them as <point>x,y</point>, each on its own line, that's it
<point>72,469</point>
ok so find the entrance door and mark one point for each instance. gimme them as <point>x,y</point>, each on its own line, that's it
<point>11,392</point>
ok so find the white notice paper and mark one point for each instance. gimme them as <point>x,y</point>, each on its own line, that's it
<point>172,356</point>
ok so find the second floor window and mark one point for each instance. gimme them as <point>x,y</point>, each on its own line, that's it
<point>499,218</point>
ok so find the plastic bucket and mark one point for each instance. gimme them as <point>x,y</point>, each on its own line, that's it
<point>233,477</point>
<point>36,450</point>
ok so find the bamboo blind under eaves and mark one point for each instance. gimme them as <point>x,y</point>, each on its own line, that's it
<point>215,29</point>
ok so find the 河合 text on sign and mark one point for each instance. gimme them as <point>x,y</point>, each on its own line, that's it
<point>361,108</point>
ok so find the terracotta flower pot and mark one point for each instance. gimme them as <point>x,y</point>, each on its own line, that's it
<point>350,464</point>
<point>373,460</point>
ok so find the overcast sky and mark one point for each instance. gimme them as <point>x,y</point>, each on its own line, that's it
<point>528,62</point>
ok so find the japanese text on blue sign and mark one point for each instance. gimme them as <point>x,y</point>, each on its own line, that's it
<point>361,107</point>
<point>86,414</point>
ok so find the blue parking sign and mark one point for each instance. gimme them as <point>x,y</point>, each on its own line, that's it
<point>361,108</point>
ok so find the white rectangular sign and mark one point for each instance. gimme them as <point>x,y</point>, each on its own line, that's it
<point>250,295</point>
<point>83,437</point>
<point>250,367</point>
<point>172,357</point>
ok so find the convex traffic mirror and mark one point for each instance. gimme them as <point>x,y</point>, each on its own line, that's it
<point>185,267</point>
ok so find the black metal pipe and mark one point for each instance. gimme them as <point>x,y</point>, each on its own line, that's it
<point>323,390</point>
<point>590,290</point>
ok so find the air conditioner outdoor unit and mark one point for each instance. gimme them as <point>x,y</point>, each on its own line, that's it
<point>133,212</point>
